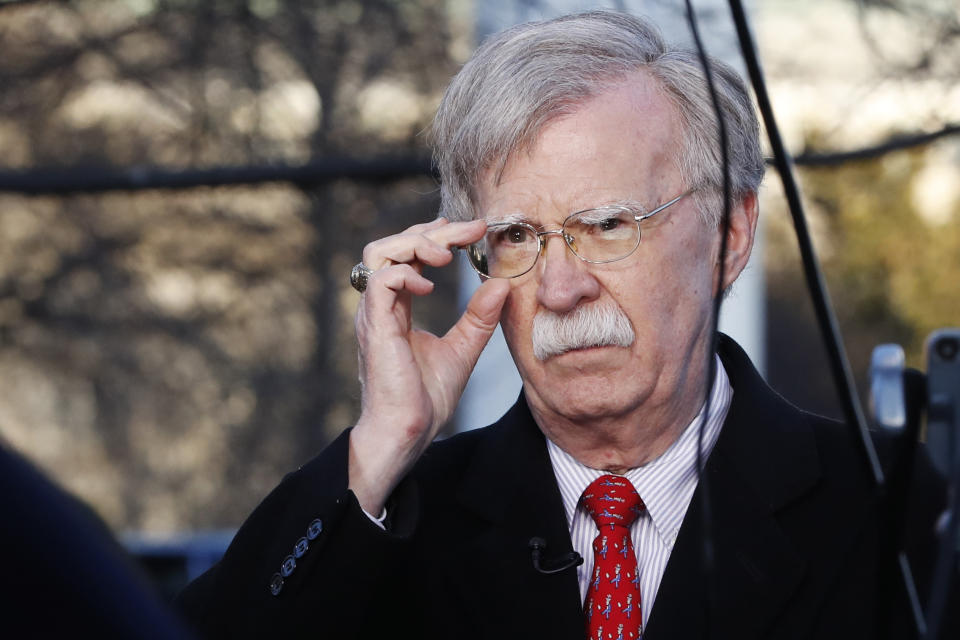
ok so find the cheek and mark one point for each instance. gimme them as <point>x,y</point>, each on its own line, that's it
<point>516,319</point>
<point>694,262</point>
<point>673,287</point>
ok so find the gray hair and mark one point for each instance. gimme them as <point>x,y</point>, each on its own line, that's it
<point>523,78</point>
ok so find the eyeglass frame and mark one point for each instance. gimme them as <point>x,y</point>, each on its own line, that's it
<point>567,238</point>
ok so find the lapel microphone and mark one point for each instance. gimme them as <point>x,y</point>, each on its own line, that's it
<point>538,545</point>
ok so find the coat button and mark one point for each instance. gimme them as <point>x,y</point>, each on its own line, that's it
<point>289,564</point>
<point>314,529</point>
<point>301,548</point>
<point>276,584</point>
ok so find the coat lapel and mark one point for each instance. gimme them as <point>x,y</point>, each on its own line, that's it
<point>511,488</point>
<point>764,459</point>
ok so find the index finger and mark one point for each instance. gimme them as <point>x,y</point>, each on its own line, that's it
<point>456,234</point>
<point>431,246</point>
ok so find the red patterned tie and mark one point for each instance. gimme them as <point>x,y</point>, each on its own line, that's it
<point>612,606</point>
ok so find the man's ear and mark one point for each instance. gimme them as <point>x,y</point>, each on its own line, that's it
<point>743,226</point>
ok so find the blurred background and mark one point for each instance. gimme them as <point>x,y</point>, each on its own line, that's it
<point>185,185</point>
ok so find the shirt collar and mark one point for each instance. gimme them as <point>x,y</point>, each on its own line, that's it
<point>665,484</point>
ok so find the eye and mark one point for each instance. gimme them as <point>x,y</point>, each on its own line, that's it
<point>509,234</point>
<point>517,234</point>
<point>610,224</point>
<point>600,224</point>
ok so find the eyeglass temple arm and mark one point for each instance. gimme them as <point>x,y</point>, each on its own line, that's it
<point>650,214</point>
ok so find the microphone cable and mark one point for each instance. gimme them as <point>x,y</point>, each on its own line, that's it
<point>706,512</point>
<point>538,545</point>
<point>839,363</point>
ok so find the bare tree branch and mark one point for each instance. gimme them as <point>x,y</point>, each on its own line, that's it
<point>895,143</point>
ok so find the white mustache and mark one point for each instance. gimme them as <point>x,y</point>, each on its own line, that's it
<point>585,326</point>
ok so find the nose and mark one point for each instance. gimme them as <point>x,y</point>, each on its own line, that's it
<point>565,280</point>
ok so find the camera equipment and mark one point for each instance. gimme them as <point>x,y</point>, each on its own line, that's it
<point>943,399</point>
<point>898,398</point>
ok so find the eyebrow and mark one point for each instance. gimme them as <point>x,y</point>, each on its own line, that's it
<point>631,206</point>
<point>510,218</point>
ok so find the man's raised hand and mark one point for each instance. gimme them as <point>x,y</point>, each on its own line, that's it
<point>411,380</point>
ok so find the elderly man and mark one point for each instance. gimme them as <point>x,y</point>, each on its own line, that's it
<point>581,174</point>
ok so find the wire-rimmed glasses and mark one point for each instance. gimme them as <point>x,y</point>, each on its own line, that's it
<point>597,236</point>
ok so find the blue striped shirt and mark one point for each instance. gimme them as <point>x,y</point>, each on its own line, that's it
<point>665,485</point>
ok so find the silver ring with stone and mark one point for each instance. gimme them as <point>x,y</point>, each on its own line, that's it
<point>359,276</point>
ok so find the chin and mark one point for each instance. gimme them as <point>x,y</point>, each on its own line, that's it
<point>588,385</point>
<point>587,402</point>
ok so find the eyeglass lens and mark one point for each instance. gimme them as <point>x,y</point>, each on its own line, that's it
<point>595,235</point>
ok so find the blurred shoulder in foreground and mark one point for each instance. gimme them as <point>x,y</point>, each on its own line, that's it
<point>64,573</point>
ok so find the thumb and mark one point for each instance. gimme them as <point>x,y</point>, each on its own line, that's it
<point>474,328</point>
